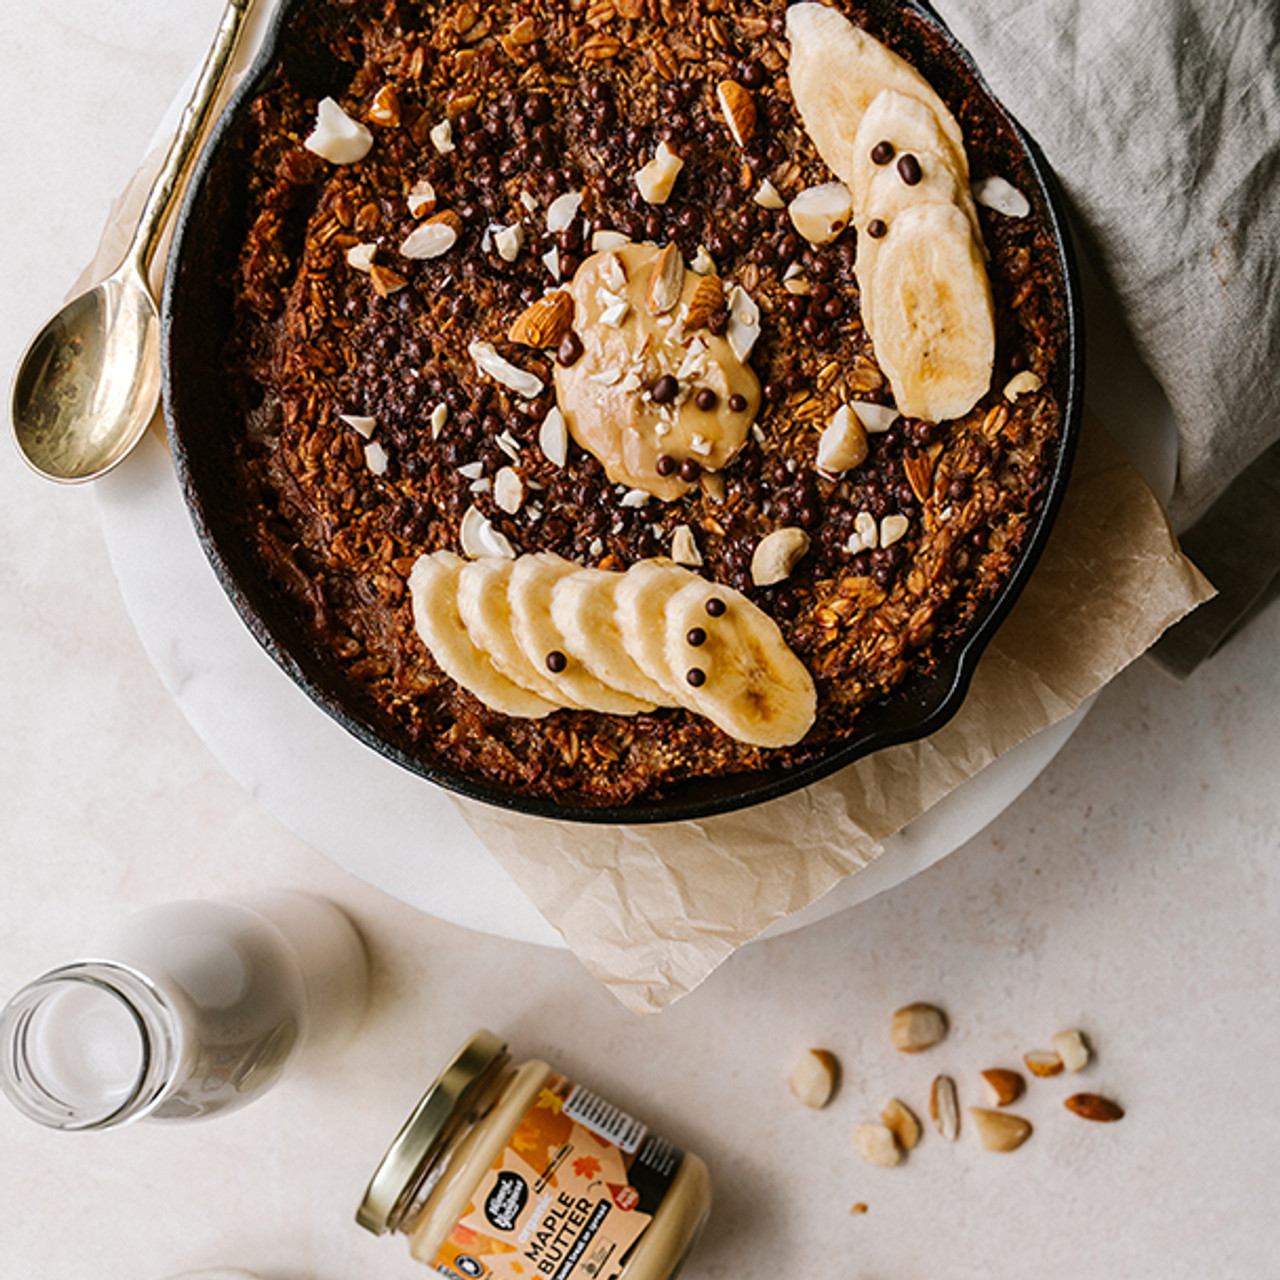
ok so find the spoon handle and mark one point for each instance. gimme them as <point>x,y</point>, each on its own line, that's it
<point>183,147</point>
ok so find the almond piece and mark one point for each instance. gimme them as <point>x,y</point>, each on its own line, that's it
<point>739,110</point>
<point>385,281</point>
<point>918,468</point>
<point>545,321</point>
<point>666,281</point>
<point>843,444</point>
<point>1003,1085</point>
<point>1092,1106</point>
<point>385,107</point>
<point>821,213</point>
<point>777,554</point>
<point>902,1122</point>
<point>944,1108</point>
<point>656,178</point>
<point>893,528</point>
<point>684,550</point>
<point>1072,1048</point>
<point>1000,1131</point>
<point>877,1145</point>
<point>421,198</point>
<point>1042,1062</point>
<point>814,1076</point>
<point>437,235</point>
<point>708,298</point>
<point>916,1027</point>
<point>1022,384</point>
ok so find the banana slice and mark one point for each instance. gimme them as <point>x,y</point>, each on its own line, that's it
<point>486,613</point>
<point>642,597</point>
<point>584,608</point>
<point>737,668</point>
<point>433,588</point>
<point>835,71</point>
<point>533,580</point>
<point>913,129</point>
<point>930,317</point>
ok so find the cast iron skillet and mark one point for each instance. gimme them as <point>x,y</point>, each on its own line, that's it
<point>200,420</point>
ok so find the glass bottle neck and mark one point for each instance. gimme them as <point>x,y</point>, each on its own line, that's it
<point>89,1045</point>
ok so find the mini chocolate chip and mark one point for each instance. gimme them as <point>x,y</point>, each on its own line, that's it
<point>556,661</point>
<point>696,677</point>
<point>690,470</point>
<point>665,389</point>
<point>570,349</point>
<point>882,152</point>
<point>877,229</point>
<point>706,399</point>
<point>715,607</point>
<point>737,402</point>
<point>909,169</point>
<point>696,636</point>
<point>665,465</point>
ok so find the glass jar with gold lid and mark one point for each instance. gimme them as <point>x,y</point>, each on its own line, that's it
<point>512,1172</point>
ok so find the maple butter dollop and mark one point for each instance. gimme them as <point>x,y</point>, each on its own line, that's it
<point>608,396</point>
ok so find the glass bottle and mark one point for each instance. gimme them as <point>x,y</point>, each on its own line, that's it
<point>188,1009</point>
<point>504,1171</point>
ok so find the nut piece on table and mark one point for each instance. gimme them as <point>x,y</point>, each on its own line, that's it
<point>1000,1131</point>
<point>1042,1062</point>
<point>901,1121</point>
<point>813,1078</point>
<point>1003,1086</point>
<point>916,1027</point>
<point>1092,1106</point>
<point>944,1108</point>
<point>877,1145</point>
<point>1073,1049</point>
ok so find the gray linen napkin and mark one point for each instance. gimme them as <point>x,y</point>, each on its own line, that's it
<point>1162,120</point>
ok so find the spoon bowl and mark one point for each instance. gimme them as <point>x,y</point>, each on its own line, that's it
<point>89,383</point>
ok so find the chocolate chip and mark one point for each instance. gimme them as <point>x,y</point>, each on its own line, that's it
<point>882,152</point>
<point>696,677</point>
<point>696,636</point>
<point>665,389</point>
<point>715,607</point>
<point>665,465</point>
<point>556,661</point>
<point>706,399</point>
<point>737,403</point>
<point>877,229</point>
<point>690,470</point>
<point>569,350</point>
<point>909,169</point>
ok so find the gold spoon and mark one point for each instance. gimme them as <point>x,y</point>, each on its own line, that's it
<point>88,385</point>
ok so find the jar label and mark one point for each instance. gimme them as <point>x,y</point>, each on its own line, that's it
<point>568,1197</point>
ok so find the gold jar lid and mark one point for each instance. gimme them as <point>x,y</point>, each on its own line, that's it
<point>443,1108</point>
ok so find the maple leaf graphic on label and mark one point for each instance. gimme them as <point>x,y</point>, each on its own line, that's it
<point>626,1197</point>
<point>549,1100</point>
<point>586,1167</point>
